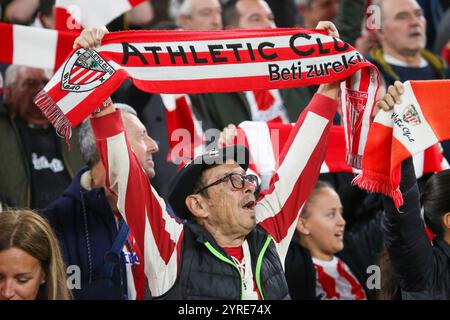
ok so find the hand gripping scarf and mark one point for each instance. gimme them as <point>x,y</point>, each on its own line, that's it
<point>420,121</point>
<point>212,61</point>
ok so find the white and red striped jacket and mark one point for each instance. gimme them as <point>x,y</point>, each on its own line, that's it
<point>159,235</point>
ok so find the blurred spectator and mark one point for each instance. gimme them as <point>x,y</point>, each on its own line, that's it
<point>402,36</point>
<point>89,233</point>
<point>35,165</point>
<point>328,260</point>
<point>314,11</point>
<point>31,266</point>
<point>196,14</point>
<point>20,11</point>
<point>402,55</point>
<point>218,110</point>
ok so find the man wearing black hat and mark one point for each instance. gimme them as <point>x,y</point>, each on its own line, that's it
<point>233,245</point>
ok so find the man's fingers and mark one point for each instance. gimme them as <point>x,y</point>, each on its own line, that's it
<point>90,38</point>
<point>399,86</point>
<point>383,105</point>
<point>394,92</point>
<point>389,100</point>
<point>329,27</point>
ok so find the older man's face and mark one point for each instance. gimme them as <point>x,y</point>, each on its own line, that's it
<point>254,14</point>
<point>205,15</point>
<point>230,210</point>
<point>142,145</point>
<point>404,27</point>
<point>20,94</point>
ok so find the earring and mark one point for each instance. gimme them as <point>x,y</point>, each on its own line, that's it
<point>43,281</point>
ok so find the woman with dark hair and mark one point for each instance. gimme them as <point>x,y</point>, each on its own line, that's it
<point>326,261</point>
<point>422,267</point>
<point>31,266</point>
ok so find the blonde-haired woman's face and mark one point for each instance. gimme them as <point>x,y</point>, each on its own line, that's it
<point>20,275</point>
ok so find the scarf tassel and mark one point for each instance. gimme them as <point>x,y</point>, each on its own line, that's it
<point>55,115</point>
<point>375,182</point>
<point>353,160</point>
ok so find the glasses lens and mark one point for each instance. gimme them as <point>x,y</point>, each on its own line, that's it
<point>252,179</point>
<point>237,181</point>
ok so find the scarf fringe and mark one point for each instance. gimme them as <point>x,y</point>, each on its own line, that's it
<point>54,114</point>
<point>378,183</point>
<point>353,160</point>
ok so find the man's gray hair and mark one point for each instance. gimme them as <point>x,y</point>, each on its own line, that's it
<point>11,74</point>
<point>179,8</point>
<point>86,139</point>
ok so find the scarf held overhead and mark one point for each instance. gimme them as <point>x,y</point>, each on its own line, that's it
<point>212,61</point>
<point>420,121</point>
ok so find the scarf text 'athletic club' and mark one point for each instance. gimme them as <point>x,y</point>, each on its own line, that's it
<point>212,61</point>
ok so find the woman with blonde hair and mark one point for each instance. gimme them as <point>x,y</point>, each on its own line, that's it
<point>31,265</point>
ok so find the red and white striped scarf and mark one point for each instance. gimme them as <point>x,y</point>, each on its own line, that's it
<point>420,121</point>
<point>207,61</point>
<point>79,14</point>
<point>34,47</point>
<point>266,140</point>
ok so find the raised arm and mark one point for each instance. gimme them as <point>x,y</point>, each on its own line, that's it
<point>279,208</point>
<point>157,233</point>
<point>409,248</point>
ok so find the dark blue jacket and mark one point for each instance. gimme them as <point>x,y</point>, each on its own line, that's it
<point>86,228</point>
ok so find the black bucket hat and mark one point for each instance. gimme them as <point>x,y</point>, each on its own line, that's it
<point>183,183</point>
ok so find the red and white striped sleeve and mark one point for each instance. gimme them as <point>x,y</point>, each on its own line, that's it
<point>279,207</point>
<point>157,233</point>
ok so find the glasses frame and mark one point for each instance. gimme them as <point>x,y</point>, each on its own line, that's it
<point>228,177</point>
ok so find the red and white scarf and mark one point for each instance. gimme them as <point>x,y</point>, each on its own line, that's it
<point>207,61</point>
<point>34,47</point>
<point>79,14</point>
<point>420,121</point>
<point>266,140</point>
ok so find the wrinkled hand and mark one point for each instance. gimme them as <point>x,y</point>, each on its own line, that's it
<point>329,27</point>
<point>392,97</point>
<point>329,89</point>
<point>227,135</point>
<point>90,38</point>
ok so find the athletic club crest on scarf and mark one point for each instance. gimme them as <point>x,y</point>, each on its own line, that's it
<point>411,116</point>
<point>84,71</point>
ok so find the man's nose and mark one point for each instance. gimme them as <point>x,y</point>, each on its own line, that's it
<point>152,145</point>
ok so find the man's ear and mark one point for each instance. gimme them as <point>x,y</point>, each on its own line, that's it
<point>196,205</point>
<point>446,220</point>
<point>7,91</point>
<point>302,228</point>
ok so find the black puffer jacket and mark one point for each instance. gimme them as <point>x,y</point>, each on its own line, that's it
<point>422,268</point>
<point>207,271</point>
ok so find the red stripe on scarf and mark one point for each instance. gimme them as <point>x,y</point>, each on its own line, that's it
<point>7,48</point>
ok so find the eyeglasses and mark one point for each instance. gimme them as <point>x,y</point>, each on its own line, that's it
<point>237,181</point>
